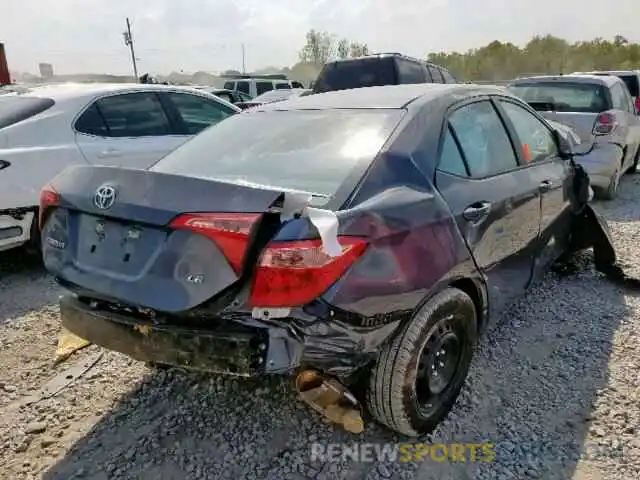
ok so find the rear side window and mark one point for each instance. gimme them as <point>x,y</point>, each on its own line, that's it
<point>448,78</point>
<point>225,96</point>
<point>14,109</point>
<point>198,113</point>
<point>243,87</point>
<point>619,98</point>
<point>295,84</point>
<point>283,86</point>
<point>565,96</point>
<point>92,122</point>
<point>229,85</point>
<point>262,87</point>
<point>435,74</point>
<point>483,139</point>
<point>410,72</point>
<point>537,142</point>
<point>305,150</point>
<point>366,72</point>
<point>134,115</point>
<point>632,84</point>
<point>451,159</point>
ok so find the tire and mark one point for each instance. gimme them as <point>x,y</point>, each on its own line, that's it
<point>392,394</point>
<point>34,246</point>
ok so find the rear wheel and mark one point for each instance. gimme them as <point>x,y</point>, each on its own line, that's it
<point>419,374</point>
<point>34,245</point>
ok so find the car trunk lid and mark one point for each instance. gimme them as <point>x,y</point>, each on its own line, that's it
<point>582,123</point>
<point>135,235</point>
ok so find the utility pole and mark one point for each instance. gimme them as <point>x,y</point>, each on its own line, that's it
<point>244,66</point>
<point>128,40</point>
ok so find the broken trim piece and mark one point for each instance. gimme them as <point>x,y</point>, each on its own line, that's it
<point>297,205</point>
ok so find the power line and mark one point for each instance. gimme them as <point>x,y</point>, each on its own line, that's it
<point>244,66</point>
<point>128,40</point>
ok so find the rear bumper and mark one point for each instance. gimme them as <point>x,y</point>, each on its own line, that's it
<point>227,348</point>
<point>15,232</point>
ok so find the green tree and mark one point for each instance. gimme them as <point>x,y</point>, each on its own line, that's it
<point>541,55</point>
<point>322,47</point>
<point>319,48</point>
<point>343,49</point>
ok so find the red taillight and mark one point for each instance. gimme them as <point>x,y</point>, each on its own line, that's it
<point>604,125</point>
<point>229,231</point>
<point>295,273</point>
<point>48,198</point>
<point>638,104</point>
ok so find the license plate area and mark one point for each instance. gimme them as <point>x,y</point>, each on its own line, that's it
<point>116,246</point>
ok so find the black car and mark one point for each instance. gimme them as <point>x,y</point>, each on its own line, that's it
<point>377,70</point>
<point>368,234</point>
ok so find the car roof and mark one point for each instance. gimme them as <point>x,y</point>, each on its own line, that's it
<point>610,72</point>
<point>606,80</point>
<point>383,55</point>
<point>387,96</point>
<point>67,91</point>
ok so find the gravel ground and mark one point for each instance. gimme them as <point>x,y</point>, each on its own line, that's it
<point>554,385</point>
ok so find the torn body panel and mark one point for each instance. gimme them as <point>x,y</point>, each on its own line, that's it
<point>413,249</point>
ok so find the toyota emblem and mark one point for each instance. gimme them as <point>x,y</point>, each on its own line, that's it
<point>105,197</point>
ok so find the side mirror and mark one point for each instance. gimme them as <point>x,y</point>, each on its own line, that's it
<point>564,146</point>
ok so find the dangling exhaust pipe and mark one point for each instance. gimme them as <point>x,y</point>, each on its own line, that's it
<point>331,399</point>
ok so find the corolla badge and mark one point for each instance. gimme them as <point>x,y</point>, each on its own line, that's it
<point>105,197</point>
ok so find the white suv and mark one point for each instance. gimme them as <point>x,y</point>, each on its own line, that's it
<point>258,86</point>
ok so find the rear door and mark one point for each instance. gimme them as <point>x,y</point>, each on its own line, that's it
<point>129,129</point>
<point>496,203</point>
<point>539,154</point>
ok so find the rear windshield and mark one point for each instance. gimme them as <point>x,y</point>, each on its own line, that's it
<point>565,96</point>
<point>632,84</point>
<point>311,151</point>
<point>14,109</point>
<point>367,72</point>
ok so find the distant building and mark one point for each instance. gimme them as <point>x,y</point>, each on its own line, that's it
<point>46,70</point>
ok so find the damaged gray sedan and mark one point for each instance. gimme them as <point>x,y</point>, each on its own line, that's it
<point>361,239</point>
<point>598,109</point>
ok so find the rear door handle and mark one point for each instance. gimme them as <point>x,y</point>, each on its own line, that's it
<point>476,211</point>
<point>545,185</point>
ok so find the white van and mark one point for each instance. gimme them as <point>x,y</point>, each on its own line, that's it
<point>257,86</point>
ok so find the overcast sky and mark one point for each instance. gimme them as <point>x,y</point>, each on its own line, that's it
<point>80,36</point>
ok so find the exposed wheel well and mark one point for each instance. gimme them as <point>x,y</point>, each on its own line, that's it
<point>471,288</point>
